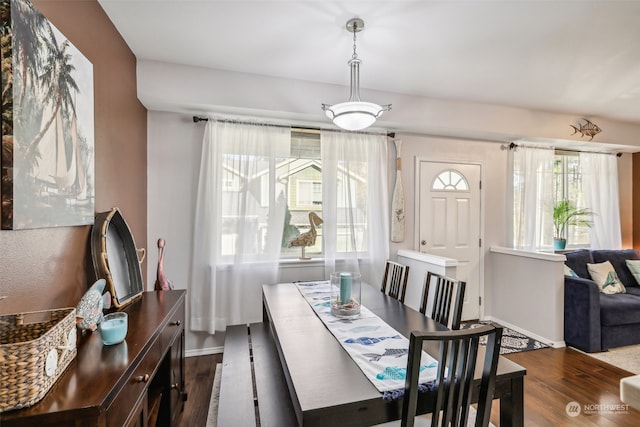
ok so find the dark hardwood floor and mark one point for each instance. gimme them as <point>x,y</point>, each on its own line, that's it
<point>199,373</point>
<point>555,378</point>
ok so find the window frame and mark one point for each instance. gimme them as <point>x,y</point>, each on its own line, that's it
<point>312,203</point>
<point>575,235</point>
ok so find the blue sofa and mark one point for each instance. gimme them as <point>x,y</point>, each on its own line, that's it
<point>594,321</point>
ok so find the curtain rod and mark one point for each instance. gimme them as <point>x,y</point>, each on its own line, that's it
<point>197,119</point>
<point>513,145</point>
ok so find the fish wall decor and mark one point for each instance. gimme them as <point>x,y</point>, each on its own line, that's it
<point>586,129</point>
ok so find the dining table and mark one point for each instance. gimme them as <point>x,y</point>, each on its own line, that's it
<point>326,386</point>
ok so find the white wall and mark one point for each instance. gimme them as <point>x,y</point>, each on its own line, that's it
<point>173,87</point>
<point>173,161</point>
<point>430,130</point>
<point>528,293</point>
<point>419,266</point>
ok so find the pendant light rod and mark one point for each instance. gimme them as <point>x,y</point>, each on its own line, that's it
<point>354,114</point>
<point>354,95</point>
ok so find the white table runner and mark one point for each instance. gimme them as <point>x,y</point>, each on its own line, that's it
<point>378,349</point>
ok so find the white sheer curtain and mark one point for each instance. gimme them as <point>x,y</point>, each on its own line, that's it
<point>355,203</point>
<point>600,189</point>
<point>533,196</point>
<point>238,223</point>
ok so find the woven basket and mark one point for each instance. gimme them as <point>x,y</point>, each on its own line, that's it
<point>35,349</point>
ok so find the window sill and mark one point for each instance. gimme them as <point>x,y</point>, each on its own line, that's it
<point>549,256</point>
<point>297,262</point>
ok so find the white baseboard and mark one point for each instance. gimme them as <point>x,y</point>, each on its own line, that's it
<point>547,341</point>
<point>203,351</point>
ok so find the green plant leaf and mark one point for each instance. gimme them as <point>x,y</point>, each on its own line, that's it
<point>565,213</point>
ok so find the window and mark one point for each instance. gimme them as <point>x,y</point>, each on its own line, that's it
<point>239,236</point>
<point>295,173</point>
<point>301,174</point>
<point>230,180</point>
<point>450,180</point>
<point>302,178</point>
<point>291,179</point>
<point>567,185</point>
<point>541,177</point>
<point>309,193</point>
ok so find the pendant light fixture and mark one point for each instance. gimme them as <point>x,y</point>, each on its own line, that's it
<point>354,114</point>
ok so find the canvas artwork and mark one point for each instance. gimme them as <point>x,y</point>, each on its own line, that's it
<point>47,177</point>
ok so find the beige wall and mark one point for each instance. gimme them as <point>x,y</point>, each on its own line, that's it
<point>636,200</point>
<point>625,190</point>
<point>47,268</point>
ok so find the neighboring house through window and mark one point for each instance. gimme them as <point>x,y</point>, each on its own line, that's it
<point>299,177</point>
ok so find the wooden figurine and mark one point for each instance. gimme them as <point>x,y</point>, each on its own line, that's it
<point>162,283</point>
<point>309,238</point>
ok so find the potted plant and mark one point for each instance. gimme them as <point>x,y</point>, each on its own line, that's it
<point>565,213</point>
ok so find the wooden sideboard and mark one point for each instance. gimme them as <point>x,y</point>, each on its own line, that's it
<point>139,382</point>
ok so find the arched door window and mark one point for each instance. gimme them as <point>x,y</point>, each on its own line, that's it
<point>450,180</point>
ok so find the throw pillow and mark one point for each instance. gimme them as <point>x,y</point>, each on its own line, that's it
<point>606,278</point>
<point>569,272</point>
<point>634,267</point>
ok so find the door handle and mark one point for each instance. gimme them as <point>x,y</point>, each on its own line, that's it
<point>423,242</point>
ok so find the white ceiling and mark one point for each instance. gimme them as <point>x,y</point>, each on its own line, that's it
<point>579,57</point>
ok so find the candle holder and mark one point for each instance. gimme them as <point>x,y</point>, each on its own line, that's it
<point>113,328</point>
<point>345,294</point>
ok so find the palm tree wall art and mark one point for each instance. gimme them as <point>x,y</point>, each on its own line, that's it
<point>47,175</point>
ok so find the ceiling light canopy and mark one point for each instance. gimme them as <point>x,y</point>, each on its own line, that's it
<point>354,114</point>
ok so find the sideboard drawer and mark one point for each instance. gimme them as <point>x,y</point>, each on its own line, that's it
<point>174,327</point>
<point>135,386</point>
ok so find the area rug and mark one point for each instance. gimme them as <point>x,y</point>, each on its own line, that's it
<point>512,341</point>
<point>212,417</point>
<point>627,358</point>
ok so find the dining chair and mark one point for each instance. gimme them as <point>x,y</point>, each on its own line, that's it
<point>460,349</point>
<point>394,282</point>
<point>446,301</point>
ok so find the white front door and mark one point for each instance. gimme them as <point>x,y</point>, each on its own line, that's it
<point>449,222</point>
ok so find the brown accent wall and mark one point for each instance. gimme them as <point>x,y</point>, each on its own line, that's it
<point>48,268</point>
<point>635,183</point>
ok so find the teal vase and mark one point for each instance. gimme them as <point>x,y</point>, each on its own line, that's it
<point>559,244</point>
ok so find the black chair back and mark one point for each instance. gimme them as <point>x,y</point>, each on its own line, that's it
<point>459,353</point>
<point>394,282</point>
<point>447,301</point>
